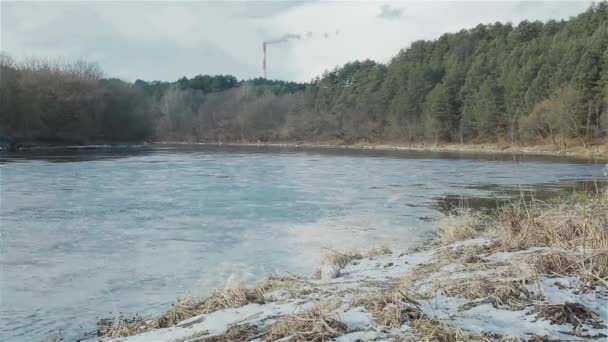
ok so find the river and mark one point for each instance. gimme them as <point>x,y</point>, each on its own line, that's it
<point>92,233</point>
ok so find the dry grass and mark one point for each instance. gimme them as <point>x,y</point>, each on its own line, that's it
<point>196,337</point>
<point>506,295</point>
<point>510,292</point>
<point>123,327</point>
<point>576,226</point>
<point>317,324</point>
<point>277,282</point>
<point>409,283</point>
<point>460,225</point>
<point>339,259</point>
<point>569,313</point>
<point>391,308</point>
<point>578,222</point>
<point>431,330</point>
<point>435,331</point>
<point>553,262</point>
<point>230,297</point>
<point>245,332</point>
<point>185,308</point>
<point>378,251</point>
<point>467,255</point>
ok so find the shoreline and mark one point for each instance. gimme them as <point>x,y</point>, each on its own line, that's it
<point>598,152</point>
<point>479,278</point>
<point>360,305</point>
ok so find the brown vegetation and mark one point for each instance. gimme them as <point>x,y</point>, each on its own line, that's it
<point>318,324</point>
<point>572,234</point>
<point>435,331</point>
<point>339,259</point>
<point>575,228</point>
<point>245,332</point>
<point>391,308</point>
<point>569,313</point>
<point>460,225</point>
<point>123,327</point>
<point>509,295</point>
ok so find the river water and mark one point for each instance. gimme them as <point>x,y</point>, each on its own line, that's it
<point>89,234</point>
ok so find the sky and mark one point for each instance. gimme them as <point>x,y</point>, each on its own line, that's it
<point>168,40</point>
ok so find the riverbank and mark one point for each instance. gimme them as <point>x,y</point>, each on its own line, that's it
<point>596,152</point>
<point>533,272</point>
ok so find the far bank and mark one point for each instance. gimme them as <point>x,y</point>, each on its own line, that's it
<point>597,152</point>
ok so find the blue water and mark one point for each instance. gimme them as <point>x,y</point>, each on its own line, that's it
<point>89,234</point>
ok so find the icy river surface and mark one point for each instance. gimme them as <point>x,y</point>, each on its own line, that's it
<point>92,233</point>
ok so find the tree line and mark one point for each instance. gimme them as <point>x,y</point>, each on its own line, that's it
<point>528,83</point>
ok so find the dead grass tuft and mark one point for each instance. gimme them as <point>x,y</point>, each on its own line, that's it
<point>277,282</point>
<point>458,226</point>
<point>410,281</point>
<point>245,332</point>
<point>509,295</point>
<point>432,330</point>
<point>184,309</point>
<point>567,224</point>
<point>467,255</point>
<point>569,313</point>
<point>378,251</point>
<point>391,308</point>
<point>577,226</point>
<point>339,259</point>
<point>230,297</point>
<point>124,326</point>
<point>554,262</point>
<point>317,324</point>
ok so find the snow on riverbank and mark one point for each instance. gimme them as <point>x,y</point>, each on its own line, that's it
<point>387,297</point>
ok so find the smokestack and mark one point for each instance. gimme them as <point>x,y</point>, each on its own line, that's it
<point>264,60</point>
<point>279,40</point>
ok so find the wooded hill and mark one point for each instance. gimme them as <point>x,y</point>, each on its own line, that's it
<point>528,83</point>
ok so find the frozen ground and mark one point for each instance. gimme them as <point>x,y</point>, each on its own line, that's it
<point>432,273</point>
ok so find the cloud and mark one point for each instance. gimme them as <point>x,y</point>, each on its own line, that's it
<point>388,12</point>
<point>364,35</point>
<point>167,40</point>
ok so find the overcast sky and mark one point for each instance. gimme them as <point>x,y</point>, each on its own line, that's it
<point>167,40</point>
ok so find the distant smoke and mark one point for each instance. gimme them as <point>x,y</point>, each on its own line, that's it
<point>284,38</point>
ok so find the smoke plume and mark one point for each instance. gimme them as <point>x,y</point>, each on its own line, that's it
<point>283,38</point>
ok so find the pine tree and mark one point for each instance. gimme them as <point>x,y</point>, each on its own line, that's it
<point>435,119</point>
